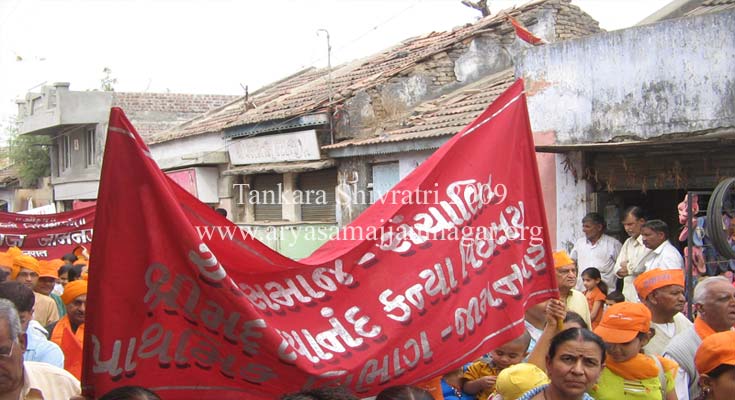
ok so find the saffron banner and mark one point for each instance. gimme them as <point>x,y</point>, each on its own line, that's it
<point>47,236</point>
<point>183,302</point>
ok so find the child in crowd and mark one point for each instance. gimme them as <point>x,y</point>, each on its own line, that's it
<point>518,379</point>
<point>451,384</point>
<point>595,291</point>
<point>481,375</point>
<point>614,297</point>
<point>629,374</point>
<point>574,320</point>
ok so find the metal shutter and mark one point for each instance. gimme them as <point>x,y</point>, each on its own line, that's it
<point>268,202</point>
<point>322,185</point>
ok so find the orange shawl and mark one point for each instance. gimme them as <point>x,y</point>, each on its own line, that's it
<point>71,345</point>
<point>637,368</point>
<point>702,329</point>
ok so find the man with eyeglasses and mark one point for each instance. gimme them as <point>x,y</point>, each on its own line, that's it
<point>38,347</point>
<point>27,379</point>
<point>566,278</point>
<point>26,270</point>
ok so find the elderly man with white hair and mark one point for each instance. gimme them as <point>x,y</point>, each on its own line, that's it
<point>714,299</point>
<point>27,379</point>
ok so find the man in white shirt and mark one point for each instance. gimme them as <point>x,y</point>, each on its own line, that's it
<point>630,262</point>
<point>664,255</point>
<point>596,249</point>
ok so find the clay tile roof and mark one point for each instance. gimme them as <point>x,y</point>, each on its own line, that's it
<point>444,116</point>
<point>712,6</point>
<point>308,90</point>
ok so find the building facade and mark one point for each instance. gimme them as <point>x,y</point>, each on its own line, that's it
<point>353,132</point>
<point>638,116</point>
<point>77,122</point>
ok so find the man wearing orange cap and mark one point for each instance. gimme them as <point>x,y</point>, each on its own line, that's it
<point>715,361</point>
<point>26,270</point>
<point>566,278</point>
<point>626,328</point>
<point>68,333</point>
<point>47,278</point>
<point>714,300</point>
<point>662,291</point>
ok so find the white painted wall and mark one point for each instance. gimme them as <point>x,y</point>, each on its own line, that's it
<point>671,77</point>
<point>571,200</point>
<point>175,149</point>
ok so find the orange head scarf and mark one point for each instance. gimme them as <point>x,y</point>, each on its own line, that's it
<point>6,261</point>
<point>74,289</point>
<point>47,270</point>
<point>24,261</point>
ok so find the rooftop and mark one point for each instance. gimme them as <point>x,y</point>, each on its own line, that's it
<point>308,91</point>
<point>445,115</point>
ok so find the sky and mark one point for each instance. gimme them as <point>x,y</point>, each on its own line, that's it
<point>219,46</point>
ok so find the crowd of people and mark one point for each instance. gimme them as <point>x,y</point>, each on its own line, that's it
<point>617,330</point>
<point>624,334</point>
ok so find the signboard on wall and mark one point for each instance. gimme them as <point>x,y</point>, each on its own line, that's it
<point>201,182</point>
<point>296,146</point>
<point>186,178</point>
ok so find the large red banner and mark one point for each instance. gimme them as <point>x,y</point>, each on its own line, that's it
<point>436,273</point>
<point>47,236</point>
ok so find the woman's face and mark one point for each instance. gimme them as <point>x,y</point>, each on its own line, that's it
<point>722,387</point>
<point>575,367</point>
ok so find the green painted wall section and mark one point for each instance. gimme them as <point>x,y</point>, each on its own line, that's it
<point>294,241</point>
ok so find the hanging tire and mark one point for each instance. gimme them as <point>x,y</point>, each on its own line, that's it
<point>714,218</point>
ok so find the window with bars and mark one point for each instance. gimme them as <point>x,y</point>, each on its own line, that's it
<point>89,147</point>
<point>64,153</point>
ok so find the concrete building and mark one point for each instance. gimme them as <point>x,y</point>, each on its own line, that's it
<point>77,123</point>
<point>634,117</point>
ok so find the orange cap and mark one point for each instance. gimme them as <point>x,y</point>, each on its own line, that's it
<point>47,270</point>
<point>622,322</point>
<point>715,350</point>
<point>562,259</point>
<point>56,263</point>
<point>651,280</point>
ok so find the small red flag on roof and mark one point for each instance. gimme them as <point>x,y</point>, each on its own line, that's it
<point>524,33</point>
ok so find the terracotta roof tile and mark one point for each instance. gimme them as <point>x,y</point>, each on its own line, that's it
<point>444,116</point>
<point>308,90</point>
<point>712,6</point>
